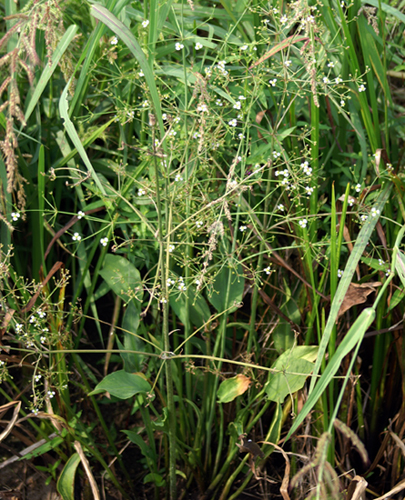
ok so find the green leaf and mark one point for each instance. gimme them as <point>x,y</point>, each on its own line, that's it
<point>294,367</point>
<point>135,438</point>
<point>115,25</point>
<point>398,296</point>
<point>122,277</point>
<point>46,447</point>
<point>199,312</point>
<point>66,481</point>
<point>400,266</point>
<point>74,136</point>
<point>353,336</point>
<point>132,361</point>
<point>154,478</point>
<point>228,289</point>
<point>355,256</point>
<point>232,388</point>
<point>48,70</point>
<point>122,385</point>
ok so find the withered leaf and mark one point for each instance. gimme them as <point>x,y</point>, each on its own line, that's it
<point>357,294</point>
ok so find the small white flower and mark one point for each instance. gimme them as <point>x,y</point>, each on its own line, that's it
<point>310,19</point>
<point>163,301</point>
<point>233,122</point>
<point>309,190</point>
<point>41,313</point>
<point>218,102</point>
<point>196,135</point>
<point>362,88</point>
<point>388,272</point>
<point>363,218</point>
<point>276,154</point>
<point>303,223</point>
<point>104,241</point>
<point>114,40</point>
<point>178,178</point>
<point>351,201</point>
<point>342,103</point>
<point>199,223</point>
<point>197,281</point>
<point>325,79</point>
<point>283,19</point>
<point>242,229</point>
<point>242,98</point>
<point>280,207</point>
<point>177,119</point>
<point>374,212</point>
<point>208,72</point>
<point>141,192</point>
<point>331,64</point>
<point>38,377</point>
<point>172,133</point>
<point>203,108</point>
<point>358,188</point>
<point>42,339</point>
<point>241,136</point>
<point>164,117</point>
<point>244,47</point>
<point>338,80</point>
<point>145,23</point>
<point>267,270</point>
<point>179,46</point>
<point>221,64</point>
<point>182,287</point>
<point>51,394</point>
<point>76,237</point>
<point>288,63</point>
<point>273,82</point>
<point>145,103</point>
<point>80,214</point>
<point>171,248</point>
<point>15,216</point>
<point>198,46</point>
<point>35,411</point>
<point>233,184</point>
<point>2,363</point>
<point>170,281</point>
<point>237,105</point>
<point>381,262</point>
<point>340,273</point>
<point>18,327</point>
<point>141,73</point>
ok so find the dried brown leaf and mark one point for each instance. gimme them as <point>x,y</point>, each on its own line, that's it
<point>357,294</point>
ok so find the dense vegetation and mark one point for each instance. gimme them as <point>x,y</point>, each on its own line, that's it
<point>201,244</point>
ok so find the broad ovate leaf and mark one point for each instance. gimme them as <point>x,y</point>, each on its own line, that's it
<point>232,388</point>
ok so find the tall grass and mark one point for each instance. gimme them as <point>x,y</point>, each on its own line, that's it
<point>198,205</point>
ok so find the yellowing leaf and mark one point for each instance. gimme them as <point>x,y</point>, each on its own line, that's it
<point>232,388</point>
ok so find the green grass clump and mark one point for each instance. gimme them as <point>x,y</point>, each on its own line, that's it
<point>202,210</point>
